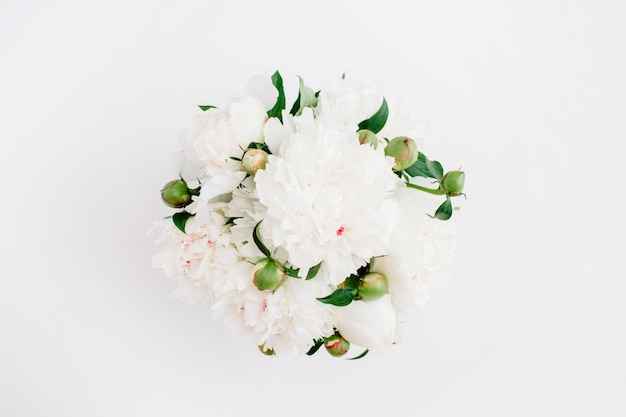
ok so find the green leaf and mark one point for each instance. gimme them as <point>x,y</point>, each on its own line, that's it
<point>378,120</point>
<point>256,236</point>
<point>180,219</point>
<point>317,344</point>
<point>420,167</point>
<point>365,352</point>
<point>313,271</point>
<point>444,212</point>
<point>340,297</point>
<point>306,98</point>
<point>292,272</point>
<point>353,281</point>
<point>231,220</point>
<point>435,168</point>
<point>205,108</point>
<point>234,158</point>
<point>259,145</point>
<point>278,108</point>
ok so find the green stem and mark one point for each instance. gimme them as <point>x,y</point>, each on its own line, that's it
<point>438,191</point>
<point>194,191</point>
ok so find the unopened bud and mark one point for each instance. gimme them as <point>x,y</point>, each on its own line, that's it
<point>176,194</point>
<point>336,345</point>
<point>373,286</point>
<point>453,183</point>
<point>254,160</point>
<point>268,275</point>
<point>368,137</point>
<point>404,150</point>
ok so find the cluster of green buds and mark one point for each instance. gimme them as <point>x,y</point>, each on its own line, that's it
<point>409,162</point>
<point>177,194</point>
<point>336,345</point>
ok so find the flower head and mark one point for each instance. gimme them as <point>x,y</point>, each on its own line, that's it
<point>368,323</point>
<point>328,199</point>
<point>219,134</point>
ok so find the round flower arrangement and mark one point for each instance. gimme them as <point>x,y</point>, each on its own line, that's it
<point>321,225</point>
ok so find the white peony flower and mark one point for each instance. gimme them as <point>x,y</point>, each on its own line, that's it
<point>328,199</point>
<point>200,259</point>
<point>218,134</point>
<point>346,102</point>
<point>277,132</point>
<point>369,324</point>
<point>419,251</point>
<point>246,211</point>
<point>286,320</point>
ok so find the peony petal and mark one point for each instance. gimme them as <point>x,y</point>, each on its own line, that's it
<point>368,324</point>
<point>261,87</point>
<point>219,184</point>
<point>247,117</point>
<point>275,133</point>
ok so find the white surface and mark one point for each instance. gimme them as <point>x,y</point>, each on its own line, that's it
<point>527,96</point>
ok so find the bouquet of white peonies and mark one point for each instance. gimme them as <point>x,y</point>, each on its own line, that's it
<point>318,225</point>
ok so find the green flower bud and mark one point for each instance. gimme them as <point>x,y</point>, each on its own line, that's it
<point>404,150</point>
<point>176,194</point>
<point>453,183</point>
<point>373,286</point>
<point>368,137</point>
<point>268,275</point>
<point>254,160</point>
<point>336,345</point>
<point>266,351</point>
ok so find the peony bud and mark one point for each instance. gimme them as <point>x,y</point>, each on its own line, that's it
<point>373,286</point>
<point>176,194</point>
<point>404,150</point>
<point>368,323</point>
<point>453,183</point>
<point>254,160</point>
<point>368,137</point>
<point>336,345</point>
<point>268,275</point>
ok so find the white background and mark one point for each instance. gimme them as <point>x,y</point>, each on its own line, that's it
<point>529,97</point>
